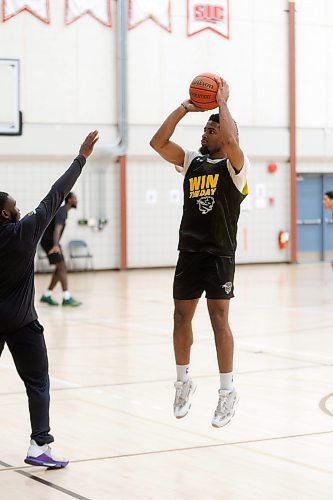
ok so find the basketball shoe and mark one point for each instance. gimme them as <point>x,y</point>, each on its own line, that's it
<point>44,456</point>
<point>71,302</point>
<point>225,409</point>
<point>184,392</point>
<point>48,300</point>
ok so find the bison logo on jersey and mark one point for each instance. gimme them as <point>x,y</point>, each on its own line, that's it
<point>227,286</point>
<point>206,204</point>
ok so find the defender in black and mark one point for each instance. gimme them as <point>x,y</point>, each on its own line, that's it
<point>19,325</point>
<point>215,184</point>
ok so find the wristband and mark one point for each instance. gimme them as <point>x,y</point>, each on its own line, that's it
<point>185,107</point>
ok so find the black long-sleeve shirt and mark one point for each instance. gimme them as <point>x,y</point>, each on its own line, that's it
<point>18,243</point>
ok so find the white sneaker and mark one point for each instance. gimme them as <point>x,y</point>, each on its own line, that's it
<point>184,391</point>
<point>44,456</point>
<point>225,409</point>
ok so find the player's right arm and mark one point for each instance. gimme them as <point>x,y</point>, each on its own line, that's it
<point>170,151</point>
<point>34,224</point>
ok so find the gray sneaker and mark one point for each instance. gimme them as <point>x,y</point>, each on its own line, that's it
<point>225,409</point>
<point>184,391</point>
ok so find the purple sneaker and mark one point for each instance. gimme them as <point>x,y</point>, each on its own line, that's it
<point>44,457</point>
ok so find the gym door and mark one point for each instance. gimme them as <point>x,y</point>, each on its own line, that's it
<point>309,218</point>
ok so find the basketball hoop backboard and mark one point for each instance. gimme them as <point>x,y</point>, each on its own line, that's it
<point>10,116</point>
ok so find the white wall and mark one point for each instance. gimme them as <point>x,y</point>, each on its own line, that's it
<point>314,45</point>
<point>68,87</point>
<point>67,72</point>
<point>98,197</point>
<point>253,61</point>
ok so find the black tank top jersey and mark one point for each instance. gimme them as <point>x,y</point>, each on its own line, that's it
<point>211,208</point>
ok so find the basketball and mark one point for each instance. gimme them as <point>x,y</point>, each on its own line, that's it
<point>203,90</point>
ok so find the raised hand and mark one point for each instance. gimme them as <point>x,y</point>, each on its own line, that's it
<point>223,91</point>
<point>88,144</point>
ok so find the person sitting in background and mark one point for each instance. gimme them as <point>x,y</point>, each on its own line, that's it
<point>50,243</point>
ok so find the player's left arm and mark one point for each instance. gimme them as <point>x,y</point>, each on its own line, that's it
<point>228,129</point>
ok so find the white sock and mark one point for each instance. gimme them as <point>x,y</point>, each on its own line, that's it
<point>66,295</point>
<point>48,293</point>
<point>182,373</point>
<point>226,381</point>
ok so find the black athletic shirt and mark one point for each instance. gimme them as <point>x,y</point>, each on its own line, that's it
<point>18,242</point>
<point>59,220</point>
<point>211,208</point>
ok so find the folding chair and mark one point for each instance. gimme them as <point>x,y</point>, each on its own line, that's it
<point>78,249</point>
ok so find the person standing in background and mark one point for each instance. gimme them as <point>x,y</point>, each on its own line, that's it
<point>328,204</point>
<point>50,243</point>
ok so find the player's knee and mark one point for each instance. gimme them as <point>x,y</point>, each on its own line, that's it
<point>61,267</point>
<point>217,311</point>
<point>219,318</point>
<point>181,317</point>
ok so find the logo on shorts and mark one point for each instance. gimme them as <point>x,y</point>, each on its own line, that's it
<point>206,204</point>
<point>227,287</point>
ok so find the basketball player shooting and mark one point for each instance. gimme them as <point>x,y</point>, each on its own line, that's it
<point>215,184</point>
<point>19,326</point>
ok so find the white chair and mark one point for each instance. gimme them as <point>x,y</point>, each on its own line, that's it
<point>78,249</point>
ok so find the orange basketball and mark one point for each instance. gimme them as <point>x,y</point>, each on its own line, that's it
<point>203,90</point>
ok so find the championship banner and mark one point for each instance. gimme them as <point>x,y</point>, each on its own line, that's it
<point>158,11</point>
<point>39,8</point>
<point>99,9</point>
<point>208,15</point>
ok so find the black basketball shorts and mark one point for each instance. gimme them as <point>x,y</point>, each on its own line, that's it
<point>54,258</point>
<point>197,272</point>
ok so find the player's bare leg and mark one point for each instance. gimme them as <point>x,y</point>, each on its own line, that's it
<point>224,342</point>
<point>182,341</point>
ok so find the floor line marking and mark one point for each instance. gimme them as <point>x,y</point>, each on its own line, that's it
<point>322,404</point>
<point>189,448</point>
<point>204,446</point>
<point>295,355</point>
<point>19,470</point>
<point>165,380</point>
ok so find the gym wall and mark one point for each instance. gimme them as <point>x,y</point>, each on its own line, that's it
<point>68,87</point>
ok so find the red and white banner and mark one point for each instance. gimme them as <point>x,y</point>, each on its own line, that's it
<point>208,15</point>
<point>99,9</point>
<point>158,11</point>
<point>39,8</point>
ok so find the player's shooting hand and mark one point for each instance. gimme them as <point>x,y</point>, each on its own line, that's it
<point>54,249</point>
<point>190,107</point>
<point>88,144</point>
<point>223,91</point>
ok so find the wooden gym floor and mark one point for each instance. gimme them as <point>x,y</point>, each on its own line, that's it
<point>112,372</point>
